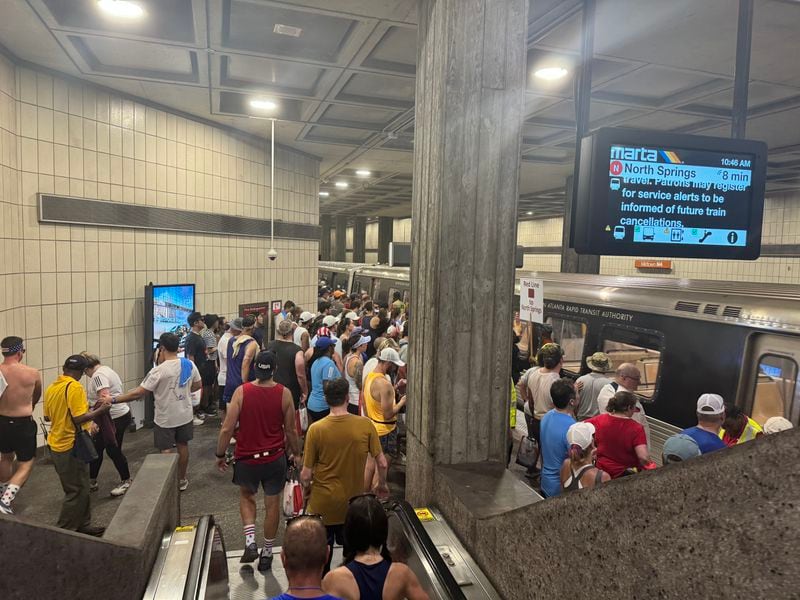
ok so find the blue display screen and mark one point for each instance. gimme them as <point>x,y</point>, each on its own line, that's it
<point>172,304</point>
<point>771,371</point>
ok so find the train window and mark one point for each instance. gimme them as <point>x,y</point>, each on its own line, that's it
<point>636,347</point>
<point>381,292</point>
<point>362,285</point>
<point>776,393</point>
<point>339,281</point>
<point>570,335</point>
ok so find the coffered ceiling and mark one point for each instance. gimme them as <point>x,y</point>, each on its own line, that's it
<point>342,75</point>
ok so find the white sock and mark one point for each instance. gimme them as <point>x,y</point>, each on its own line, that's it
<point>249,534</point>
<point>10,493</point>
<point>267,550</point>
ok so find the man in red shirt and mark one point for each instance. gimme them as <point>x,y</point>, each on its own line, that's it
<point>265,412</point>
<point>621,441</point>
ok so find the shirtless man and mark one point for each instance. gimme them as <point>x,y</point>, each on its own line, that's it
<point>20,390</point>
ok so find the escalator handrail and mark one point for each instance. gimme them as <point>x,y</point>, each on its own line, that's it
<point>204,525</point>
<point>408,517</point>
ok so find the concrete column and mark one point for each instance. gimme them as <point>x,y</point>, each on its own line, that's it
<point>385,235</point>
<point>471,74</point>
<point>571,261</point>
<point>340,251</point>
<point>359,239</point>
<point>325,240</point>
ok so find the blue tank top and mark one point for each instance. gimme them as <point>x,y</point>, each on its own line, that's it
<point>370,578</point>
<point>234,376</point>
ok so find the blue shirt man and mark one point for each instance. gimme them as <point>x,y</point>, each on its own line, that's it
<point>553,435</point>
<point>710,414</point>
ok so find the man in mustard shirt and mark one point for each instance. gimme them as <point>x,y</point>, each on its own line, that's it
<point>63,397</point>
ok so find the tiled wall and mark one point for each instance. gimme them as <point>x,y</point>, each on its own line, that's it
<point>71,288</point>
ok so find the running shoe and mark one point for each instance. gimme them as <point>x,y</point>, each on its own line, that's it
<point>183,484</point>
<point>5,508</point>
<point>197,421</point>
<point>121,488</point>
<point>250,553</point>
<point>265,562</point>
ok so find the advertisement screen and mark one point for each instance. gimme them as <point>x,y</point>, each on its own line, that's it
<point>172,304</point>
<point>657,194</point>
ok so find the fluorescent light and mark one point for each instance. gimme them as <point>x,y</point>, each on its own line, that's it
<point>550,73</point>
<point>262,104</point>
<point>342,185</point>
<point>530,212</point>
<point>121,8</point>
<point>363,173</point>
<point>289,30</point>
<point>324,194</point>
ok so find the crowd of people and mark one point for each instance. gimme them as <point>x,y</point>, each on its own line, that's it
<point>321,402</point>
<point>594,429</point>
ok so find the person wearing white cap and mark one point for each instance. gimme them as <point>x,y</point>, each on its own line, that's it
<point>353,366</point>
<point>578,471</point>
<point>301,337</point>
<point>379,399</point>
<point>710,414</point>
<point>776,425</point>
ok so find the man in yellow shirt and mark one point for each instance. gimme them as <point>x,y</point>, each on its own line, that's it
<point>65,406</point>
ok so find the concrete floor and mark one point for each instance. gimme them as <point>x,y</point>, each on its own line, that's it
<point>209,492</point>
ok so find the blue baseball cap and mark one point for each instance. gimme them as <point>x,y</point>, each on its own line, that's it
<point>324,342</point>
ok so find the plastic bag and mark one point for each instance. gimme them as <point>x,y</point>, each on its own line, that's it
<point>292,495</point>
<point>195,396</point>
<point>302,419</point>
<point>528,452</point>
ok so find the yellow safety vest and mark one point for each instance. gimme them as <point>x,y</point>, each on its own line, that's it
<point>750,431</point>
<point>513,417</point>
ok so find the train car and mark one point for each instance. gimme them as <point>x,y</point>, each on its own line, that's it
<point>337,275</point>
<point>739,340</point>
<point>379,281</point>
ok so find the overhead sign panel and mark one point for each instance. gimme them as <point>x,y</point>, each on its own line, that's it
<point>645,193</point>
<point>531,300</point>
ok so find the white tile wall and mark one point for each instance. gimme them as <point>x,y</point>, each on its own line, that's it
<point>69,288</point>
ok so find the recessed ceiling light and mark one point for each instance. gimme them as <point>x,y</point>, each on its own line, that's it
<point>125,9</point>
<point>363,173</point>
<point>550,73</point>
<point>289,30</point>
<point>324,194</point>
<point>342,185</point>
<point>530,212</point>
<point>262,104</point>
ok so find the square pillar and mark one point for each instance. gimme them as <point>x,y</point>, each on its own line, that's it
<point>359,239</point>
<point>325,239</point>
<point>340,251</point>
<point>385,236</point>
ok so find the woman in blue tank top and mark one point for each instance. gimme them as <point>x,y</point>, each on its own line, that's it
<point>368,572</point>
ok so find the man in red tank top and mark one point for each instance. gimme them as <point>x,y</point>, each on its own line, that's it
<point>265,412</point>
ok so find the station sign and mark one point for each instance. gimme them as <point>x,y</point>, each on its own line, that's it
<point>645,193</point>
<point>531,300</point>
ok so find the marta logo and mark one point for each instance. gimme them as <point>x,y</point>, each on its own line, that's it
<point>643,154</point>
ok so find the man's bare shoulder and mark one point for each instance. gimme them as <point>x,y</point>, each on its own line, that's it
<point>20,370</point>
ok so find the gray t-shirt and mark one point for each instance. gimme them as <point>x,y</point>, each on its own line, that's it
<point>592,384</point>
<point>173,402</point>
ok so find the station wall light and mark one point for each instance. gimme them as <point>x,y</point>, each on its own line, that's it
<point>342,185</point>
<point>123,9</point>
<point>263,104</point>
<point>550,73</point>
<point>363,173</point>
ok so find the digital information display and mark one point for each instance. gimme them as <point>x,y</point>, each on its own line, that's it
<point>649,193</point>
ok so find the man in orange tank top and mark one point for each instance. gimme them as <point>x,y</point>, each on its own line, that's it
<point>265,412</point>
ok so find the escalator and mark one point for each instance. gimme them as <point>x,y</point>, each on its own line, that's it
<point>192,563</point>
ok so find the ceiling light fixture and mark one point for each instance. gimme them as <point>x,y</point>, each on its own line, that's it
<point>529,213</point>
<point>124,9</point>
<point>289,30</point>
<point>363,173</point>
<point>342,185</point>
<point>550,73</point>
<point>324,194</point>
<point>262,104</point>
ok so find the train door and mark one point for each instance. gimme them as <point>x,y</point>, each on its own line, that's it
<point>768,382</point>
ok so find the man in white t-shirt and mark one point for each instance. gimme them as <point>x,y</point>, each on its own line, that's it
<point>301,337</point>
<point>103,382</point>
<point>172,382</point>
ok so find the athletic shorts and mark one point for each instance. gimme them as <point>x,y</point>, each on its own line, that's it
<point>209,373</point>
<point>389,443</point>
<point>271,476</point>
<point>18,435</point>
<point>165,438</point>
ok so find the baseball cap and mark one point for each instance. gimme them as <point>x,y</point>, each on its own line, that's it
<point>236,324</point>
<point>392,331</point>
<point>284,327</point>
<point>391,355</point>
<point>338,294</point>
<point>306,316</point>
<point>551,350</point>
<point>264,365</point>
<point>710,404</point>
<point>76,362</point>
<point>359,340</point>
<point>351,315</point>
<point>329,321</point>
<point>324,342</point>
<point>580,434</point>
<point>680,447</point>
<point>777,424</point>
